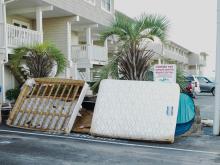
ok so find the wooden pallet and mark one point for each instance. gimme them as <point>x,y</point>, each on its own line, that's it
<point>50,105</point>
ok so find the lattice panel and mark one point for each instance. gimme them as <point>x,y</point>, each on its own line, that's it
<point>50,105</point>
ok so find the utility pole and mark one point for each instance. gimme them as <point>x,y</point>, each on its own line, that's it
<point>216,126</point>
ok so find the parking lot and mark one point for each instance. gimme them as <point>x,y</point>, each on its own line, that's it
<point>206,103</point>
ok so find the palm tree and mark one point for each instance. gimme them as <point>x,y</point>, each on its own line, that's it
<point>36,61</point>
<point>131,61</point>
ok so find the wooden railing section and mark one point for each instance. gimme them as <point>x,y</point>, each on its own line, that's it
<point>18,36</point>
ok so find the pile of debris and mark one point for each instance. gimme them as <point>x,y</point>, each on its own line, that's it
<point>83,121</point>
<point>148,111</point>
<point>5,110</point>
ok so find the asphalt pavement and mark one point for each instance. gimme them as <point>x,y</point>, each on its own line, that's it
<point>206,103</point>
<point>22,147</point>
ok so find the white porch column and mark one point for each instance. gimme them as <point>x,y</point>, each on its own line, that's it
<point>197,69</point>
<point>3,48</point>
<point>2,83</point>
<point>2,23</point>
<point>106,48</point>
<point>39,21</point>
<point>88,74</point>
<point>69,59</point>
<point>106,44</point>
<point>3,31</point>
<point>159,61</point>
<point>88,36</point>
<point>216,126</point>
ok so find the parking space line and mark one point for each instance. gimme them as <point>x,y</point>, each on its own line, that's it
<point>110,142</point>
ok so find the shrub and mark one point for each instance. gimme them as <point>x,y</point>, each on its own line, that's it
<point>12,94</point>
<point>36,61</point>
<point>180,79</point>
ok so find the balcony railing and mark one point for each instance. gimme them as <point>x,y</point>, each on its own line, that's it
<point>166,53</point>
<point>18,36</point>
<point>175,56</point>
<point>202,62</point>
<point>92,53</point>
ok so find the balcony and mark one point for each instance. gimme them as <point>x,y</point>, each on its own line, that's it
<point>202,62</point>
<point>18,36</point>
<point>90,54</point>
<point>175,56</point>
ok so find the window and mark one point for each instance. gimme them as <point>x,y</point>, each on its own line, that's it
<point>20,24</point>
<point>90,1</point>
<point>203,80</point>
<point>106,5</point>
<point>190,79</point>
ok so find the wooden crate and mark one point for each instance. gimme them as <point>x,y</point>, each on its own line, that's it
<point>50,105</point>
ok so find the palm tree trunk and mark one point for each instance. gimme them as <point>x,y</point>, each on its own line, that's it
<point>133,65</point>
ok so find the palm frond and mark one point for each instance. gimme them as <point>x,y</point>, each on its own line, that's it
<point>153,25</point>
<point>109,70</point>
<point>122,27</point>
<point>132,59</point>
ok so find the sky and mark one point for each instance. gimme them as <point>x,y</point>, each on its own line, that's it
<point>192,22</point>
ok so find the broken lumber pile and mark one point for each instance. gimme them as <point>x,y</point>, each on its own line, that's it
<point>83,122</point>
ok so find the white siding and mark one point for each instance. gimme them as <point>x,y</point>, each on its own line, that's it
<point>9,79</point>
<point>86,10</point>
<point>75,38</point>
<point>55,31</point>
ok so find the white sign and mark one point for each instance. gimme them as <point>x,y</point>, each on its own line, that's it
<point>165,73</point>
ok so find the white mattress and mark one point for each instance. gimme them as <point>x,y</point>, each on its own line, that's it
<point>137,110</point>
